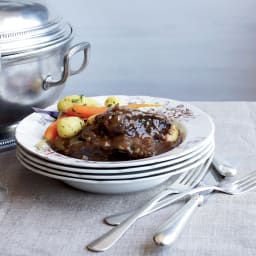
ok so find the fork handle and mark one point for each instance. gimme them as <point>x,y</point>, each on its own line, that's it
<point>170,230</point>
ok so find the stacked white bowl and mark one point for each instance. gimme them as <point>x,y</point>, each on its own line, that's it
<point>197,147</point>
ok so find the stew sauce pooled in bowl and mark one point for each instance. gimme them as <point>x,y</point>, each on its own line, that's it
<point>120,133</point>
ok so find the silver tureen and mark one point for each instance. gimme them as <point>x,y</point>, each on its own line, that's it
<point>35,55</point>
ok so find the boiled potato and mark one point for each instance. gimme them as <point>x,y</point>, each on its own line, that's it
<point>69,126</point>
<point>112,101</point>
<point>90,102</point>
<point>69,101</point>
<point>173,134</point>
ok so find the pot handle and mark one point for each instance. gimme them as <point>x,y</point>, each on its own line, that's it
<point>83,46</point>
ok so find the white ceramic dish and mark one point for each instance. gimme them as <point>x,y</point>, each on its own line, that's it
<point>122,176</point>
<point>116,186</point>
<point>196,126</point>
<point>100,171</point>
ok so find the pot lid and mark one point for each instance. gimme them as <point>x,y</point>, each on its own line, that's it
<point>27,25</point>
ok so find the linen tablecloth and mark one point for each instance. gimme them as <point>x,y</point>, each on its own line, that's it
<point>45,217</point>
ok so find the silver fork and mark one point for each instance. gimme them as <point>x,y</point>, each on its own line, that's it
<point>184,182</point>
<point>237,187</point>
<point>221,167</point>
<point>243,185</point>
<point>169,231</point>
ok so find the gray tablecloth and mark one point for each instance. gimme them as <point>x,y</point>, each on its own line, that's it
<point>43,216</point>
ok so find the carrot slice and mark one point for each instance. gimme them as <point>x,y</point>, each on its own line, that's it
<point>85,111</point>
<point>51,132</point>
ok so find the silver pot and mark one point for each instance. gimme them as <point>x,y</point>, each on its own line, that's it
<point>35,56</point>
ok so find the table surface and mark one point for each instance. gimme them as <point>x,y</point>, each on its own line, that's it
<point>43,216</point>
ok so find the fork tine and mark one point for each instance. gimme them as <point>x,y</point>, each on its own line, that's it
<point>193,175</point>
<point>190,174</point>
<point>248,187</point>
<point>247,177</point>
<point>245,182</point>
<point>183,176</point>
<point>205,167</point>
